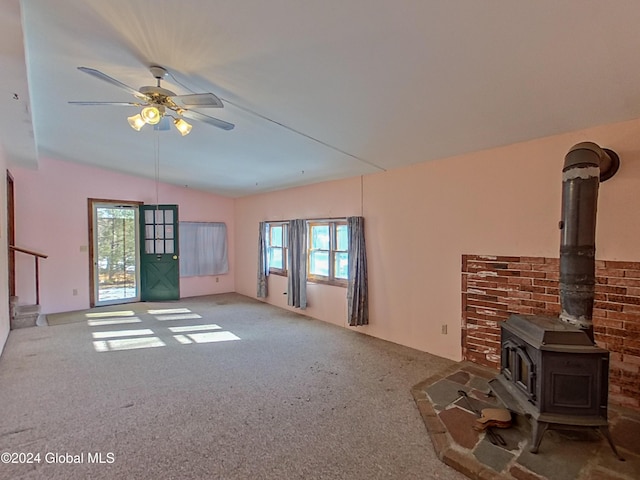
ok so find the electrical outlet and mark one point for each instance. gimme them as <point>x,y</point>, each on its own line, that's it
<point>217,279</point>
<point>75,292</point>
<point>444,329</point>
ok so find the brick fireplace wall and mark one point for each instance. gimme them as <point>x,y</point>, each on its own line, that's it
<point>493,287</point>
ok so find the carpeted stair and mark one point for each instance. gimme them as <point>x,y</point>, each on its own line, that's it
<point>23,316</point>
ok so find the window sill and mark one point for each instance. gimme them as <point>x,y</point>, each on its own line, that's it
<point>280,273</point>
<point>333,283</point>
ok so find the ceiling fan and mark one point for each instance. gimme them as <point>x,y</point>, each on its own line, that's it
<point>159,104</point>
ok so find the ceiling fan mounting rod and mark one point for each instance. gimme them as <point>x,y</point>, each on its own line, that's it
<point>158,72</point>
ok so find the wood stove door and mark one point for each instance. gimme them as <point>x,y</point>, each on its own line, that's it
<point>518,367</point>
<point>575,384</point>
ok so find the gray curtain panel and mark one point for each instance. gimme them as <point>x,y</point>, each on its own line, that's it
<point>297,259</point>
<point>357,289</point>
<point>263,259</point>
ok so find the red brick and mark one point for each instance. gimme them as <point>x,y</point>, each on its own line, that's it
<point>623,299</point>
<point>626,316</point>
<point>508,259</point>
<point>615,332</point>
<point>533,303</point>
<point>632,273</point>
<point>608,306</point>
<point>624,401</point>
<point>520,295</point>
<point>553,308</point>
<point>609,272</point>
<point>544,297</point>
<point>533,274</point>
<point>471,283</point>
<point>532,289</point>
<point>480,257</point>
<point>630,351</point>
<point>610,323</point>
<point>532,260</point>
<point>631,308</point>
<point>547,269</point>
<point>631,359</point>
<point>617,357</point>
<point>615,264</point>
<point>480,298</point>
<point>632,328</point>
<point>630,341</point>
<point>628,282</point>
<point>545,283</point>
<point>521,309</point>
<point>519,266</point>
<point>611,289</point>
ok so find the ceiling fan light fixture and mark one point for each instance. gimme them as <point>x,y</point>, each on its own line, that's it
<point>152,115</point>
<point>183,127</point>
<point>136,122</point>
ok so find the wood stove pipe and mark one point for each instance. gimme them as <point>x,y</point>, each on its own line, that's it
<point>585,166</point>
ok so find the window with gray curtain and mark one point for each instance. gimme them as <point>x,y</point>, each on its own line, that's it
<point>357,288</point>
<point>263,259</point>
<point>297,261</point>
<point>203,249</point>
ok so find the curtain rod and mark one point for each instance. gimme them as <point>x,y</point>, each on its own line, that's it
<point>323,219</point>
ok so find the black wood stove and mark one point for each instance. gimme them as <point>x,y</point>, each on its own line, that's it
<point>551,370</point>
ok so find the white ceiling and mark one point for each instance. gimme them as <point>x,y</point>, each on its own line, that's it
<point>377,83</point>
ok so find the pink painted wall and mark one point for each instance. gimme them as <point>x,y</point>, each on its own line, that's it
<point>419,221</point>
<point>52,218</point>
<point>324,200</point>
<point>4,262</point>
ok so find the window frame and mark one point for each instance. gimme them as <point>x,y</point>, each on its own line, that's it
<point>332,251</point>
<point>285,247</point>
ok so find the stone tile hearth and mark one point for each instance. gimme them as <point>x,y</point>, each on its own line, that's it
<point>564,454</point>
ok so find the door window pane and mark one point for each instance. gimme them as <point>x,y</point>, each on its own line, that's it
<point>168,231</point>
<point>168,216</point>
<point>168,246</point>
<point>116,253</point>
<point>159,246</point>
<point>148,216</point>
<point>148,246</point>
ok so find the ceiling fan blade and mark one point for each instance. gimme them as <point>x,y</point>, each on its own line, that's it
<point>163,124</point>
<point>197,100</point>
<point>126,104</point>
<point>201,117</point>
<point>104,77</point>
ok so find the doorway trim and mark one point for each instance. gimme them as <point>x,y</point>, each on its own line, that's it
<point>92,260</point>
<point>11,233</point>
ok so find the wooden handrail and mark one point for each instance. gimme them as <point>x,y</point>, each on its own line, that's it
<point>28,252</point>
<point>36,257</point>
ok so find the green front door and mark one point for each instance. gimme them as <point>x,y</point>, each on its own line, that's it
<point>159,265</point>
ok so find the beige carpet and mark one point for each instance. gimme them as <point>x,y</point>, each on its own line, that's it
<point>217,387</point>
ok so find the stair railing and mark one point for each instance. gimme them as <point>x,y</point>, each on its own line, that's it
<point>37,256</point>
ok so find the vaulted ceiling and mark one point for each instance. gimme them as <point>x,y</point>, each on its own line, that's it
<point>317,90</point>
